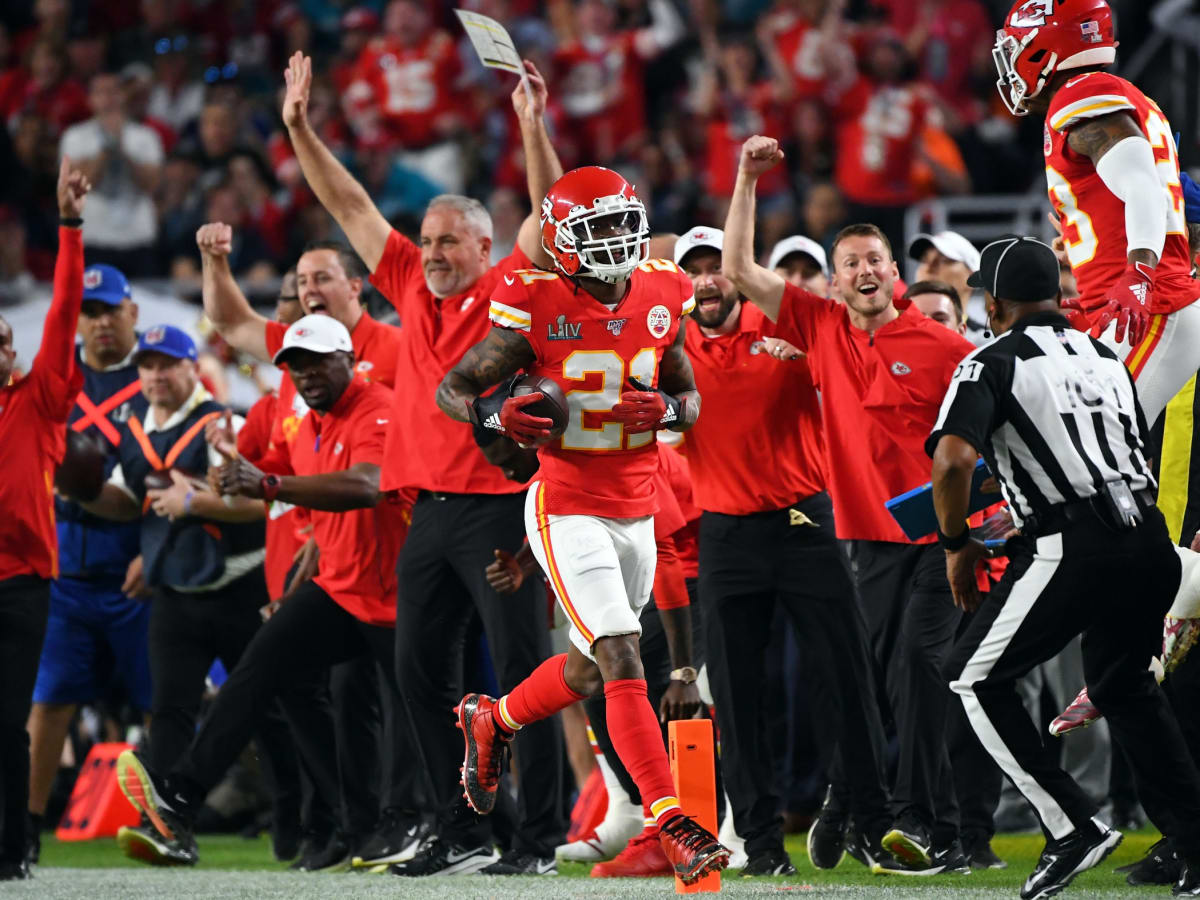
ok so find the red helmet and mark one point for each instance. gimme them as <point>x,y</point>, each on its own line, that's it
<point>594,225</point>
<point>1041,37</point>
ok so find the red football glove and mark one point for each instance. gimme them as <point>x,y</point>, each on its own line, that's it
<point>1075,314</point>
<point>646,409</point>
<point>1128,302</point>
<point>501,414</point>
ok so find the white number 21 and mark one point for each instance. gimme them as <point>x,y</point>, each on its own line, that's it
<point>606,363</point>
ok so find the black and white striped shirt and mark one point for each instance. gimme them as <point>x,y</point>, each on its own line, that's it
<point>1053,412</point>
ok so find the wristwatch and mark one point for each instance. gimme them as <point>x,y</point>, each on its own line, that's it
<point>686,674</point>
<point>270,487</point>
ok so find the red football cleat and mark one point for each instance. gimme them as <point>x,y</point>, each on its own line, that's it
<point>642,857</point>
<point>691,849</point>
<point>1080,714</point>
<point>486,745</point>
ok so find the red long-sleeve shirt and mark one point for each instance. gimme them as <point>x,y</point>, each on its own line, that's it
<point>33,418</point>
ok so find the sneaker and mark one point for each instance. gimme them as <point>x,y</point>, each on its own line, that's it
<point>982,856</point>
<point>1188,884</point>
<point>333,853</point>
<point>622,823</point>
<point>864,849</point>
<point>1063,859</point>
<point>396,839</point>
<point>827,836</point>
<point>1080,714</point>
<point>643,857</point>
<point>1160,865</point>
<point>728,836</point>
<point>515,862</point>
<point>438,857</point>
<point>943,861</point>
<point>168,810</point>
<point>33,839</point>
<point>909,843</point>
<point>286,840</point>
<point>770,862</point>
<point>15,871</point>
<point>692,849</point>
<point>145,844</point>
<point>486,745</point>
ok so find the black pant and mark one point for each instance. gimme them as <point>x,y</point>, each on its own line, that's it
<point>748,564</point>
<point>911,624</point>
<point>309,632</point>
<point>24,607</point>
<point>441,571</point>
<point>358,726</point>
<point>1114,588</point>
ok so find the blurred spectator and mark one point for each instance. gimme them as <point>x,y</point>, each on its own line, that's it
<point>252,181</point>
<point>358,24</point>
<point>176,98</point>
<point>396,189</point>
<point>16,281</point>
<point>327,122</point>
<point>508,209</point>
<point>45,90</point>
<point>123,160</point>
<point>939,301</point>
<point>87,50</point>
<point>598,73</point>
<point>29,182</point>
<point>137,81</point>
<point>250,257</point>
<point>801,41</point>
<point>52,18</point>
<point>824,213</point>
<point>404,94</point>
<point>215,143</point>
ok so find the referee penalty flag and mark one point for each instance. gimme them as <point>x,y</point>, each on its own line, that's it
<point>494,45</point>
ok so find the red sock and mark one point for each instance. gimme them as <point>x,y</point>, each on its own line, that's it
<point>542,694</point>
<point>637,738</point>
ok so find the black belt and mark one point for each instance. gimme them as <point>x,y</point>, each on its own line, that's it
<point>1090,509</point>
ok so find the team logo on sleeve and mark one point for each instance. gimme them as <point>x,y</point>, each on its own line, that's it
<point>616,326</point>
<point>658,320</point>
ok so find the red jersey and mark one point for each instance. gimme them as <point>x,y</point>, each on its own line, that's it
<point>399,93</point>
<point>801,46</point>
<point>737,119</point>
<point>600,83</point>
<point>436,335</point>
<point>33,426</point>
<point>880,397</point>
<point>594,468</point>
<point>359,547</point>
<point>878,133</point>
<point>1091,216</point>
<point>758,445</point>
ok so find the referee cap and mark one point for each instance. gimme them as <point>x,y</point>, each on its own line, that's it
<point>317,334</point>
<point>1017,268</point>
<point>700,236</point>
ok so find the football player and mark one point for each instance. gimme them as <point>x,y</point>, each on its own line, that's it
<point>606,327</point>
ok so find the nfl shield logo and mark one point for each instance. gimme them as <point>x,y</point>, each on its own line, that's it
<point>155,335</point>
<point>92,278</point>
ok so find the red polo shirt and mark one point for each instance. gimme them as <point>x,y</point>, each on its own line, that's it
<point>425,448</point>
<point>757,445</point>
<point>880,396</point>
<point>358,547</point>
<point>33,426</point>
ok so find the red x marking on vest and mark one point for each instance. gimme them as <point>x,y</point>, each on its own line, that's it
<point>98,415</point>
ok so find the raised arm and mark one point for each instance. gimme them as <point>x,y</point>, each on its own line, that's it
<point>57,350</point>
<point>759,285</point>
<point>542,166</point>
<point>224,303</point>
<point>345,199</point>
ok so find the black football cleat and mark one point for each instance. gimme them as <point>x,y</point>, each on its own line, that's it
<point>1063,859</point>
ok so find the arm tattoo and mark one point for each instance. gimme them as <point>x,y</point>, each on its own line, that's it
<point>502,353</point>
<point>1095,137</point>
<point>675,377</point>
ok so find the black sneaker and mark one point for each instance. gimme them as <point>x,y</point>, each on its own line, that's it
<point>286,838</point>
<point>15,871</point>
<point>334,853</point>
<point>397,837</point>
<point>1188,884</point>
<point>145,844</point>
<point>863,848</point>
<point>1062,860</point>
<point>33,839</point>
<point>516,862</point>
<point>438,857</point>
<point>1160,865</point>
<point>827,836</point>
<point>769,862</point>
<point>943,861</point>
<point>909,843</point>
<point>168,809</point>
<point>982,856</point>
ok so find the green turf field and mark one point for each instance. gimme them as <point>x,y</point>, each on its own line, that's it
<point>231,867</point>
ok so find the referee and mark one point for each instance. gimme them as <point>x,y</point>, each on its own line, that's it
<point>1056,416</point>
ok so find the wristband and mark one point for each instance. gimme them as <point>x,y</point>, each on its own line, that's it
<point>954,544</point>
<point>187,502</point>
<point>270,487</point>
<point>71,222</point>
<point>685,674</point>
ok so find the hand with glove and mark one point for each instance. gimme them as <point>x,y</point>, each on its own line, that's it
<point>500,413</point>
<point>1128,302</point>
<point>646,409</point>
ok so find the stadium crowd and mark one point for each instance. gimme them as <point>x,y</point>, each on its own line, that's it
<point>146,142</point>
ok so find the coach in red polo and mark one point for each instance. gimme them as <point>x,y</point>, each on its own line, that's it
<point>465,507</point>
<point>882,374</point>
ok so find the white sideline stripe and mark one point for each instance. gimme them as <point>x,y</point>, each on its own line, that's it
<point>1025,593</point>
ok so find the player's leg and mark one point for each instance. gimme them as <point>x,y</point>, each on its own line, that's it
<point>358,728</point>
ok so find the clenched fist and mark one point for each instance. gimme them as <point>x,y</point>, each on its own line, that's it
<point>215,239</point>
<point>759,154</point>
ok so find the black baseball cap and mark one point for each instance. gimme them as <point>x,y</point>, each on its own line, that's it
<point>1022,269</point>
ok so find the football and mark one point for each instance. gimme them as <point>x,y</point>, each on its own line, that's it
<point>80,475</point>
<point>552,406</point>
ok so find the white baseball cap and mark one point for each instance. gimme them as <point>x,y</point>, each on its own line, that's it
<point>700,236</point>
<point>798,243</point>
<point>317,334</point>
<point>950,244</point>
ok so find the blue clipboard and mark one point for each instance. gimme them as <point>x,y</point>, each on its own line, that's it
<point>913,510</point>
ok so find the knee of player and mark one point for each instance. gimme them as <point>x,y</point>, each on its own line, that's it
<point>618,657</point>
